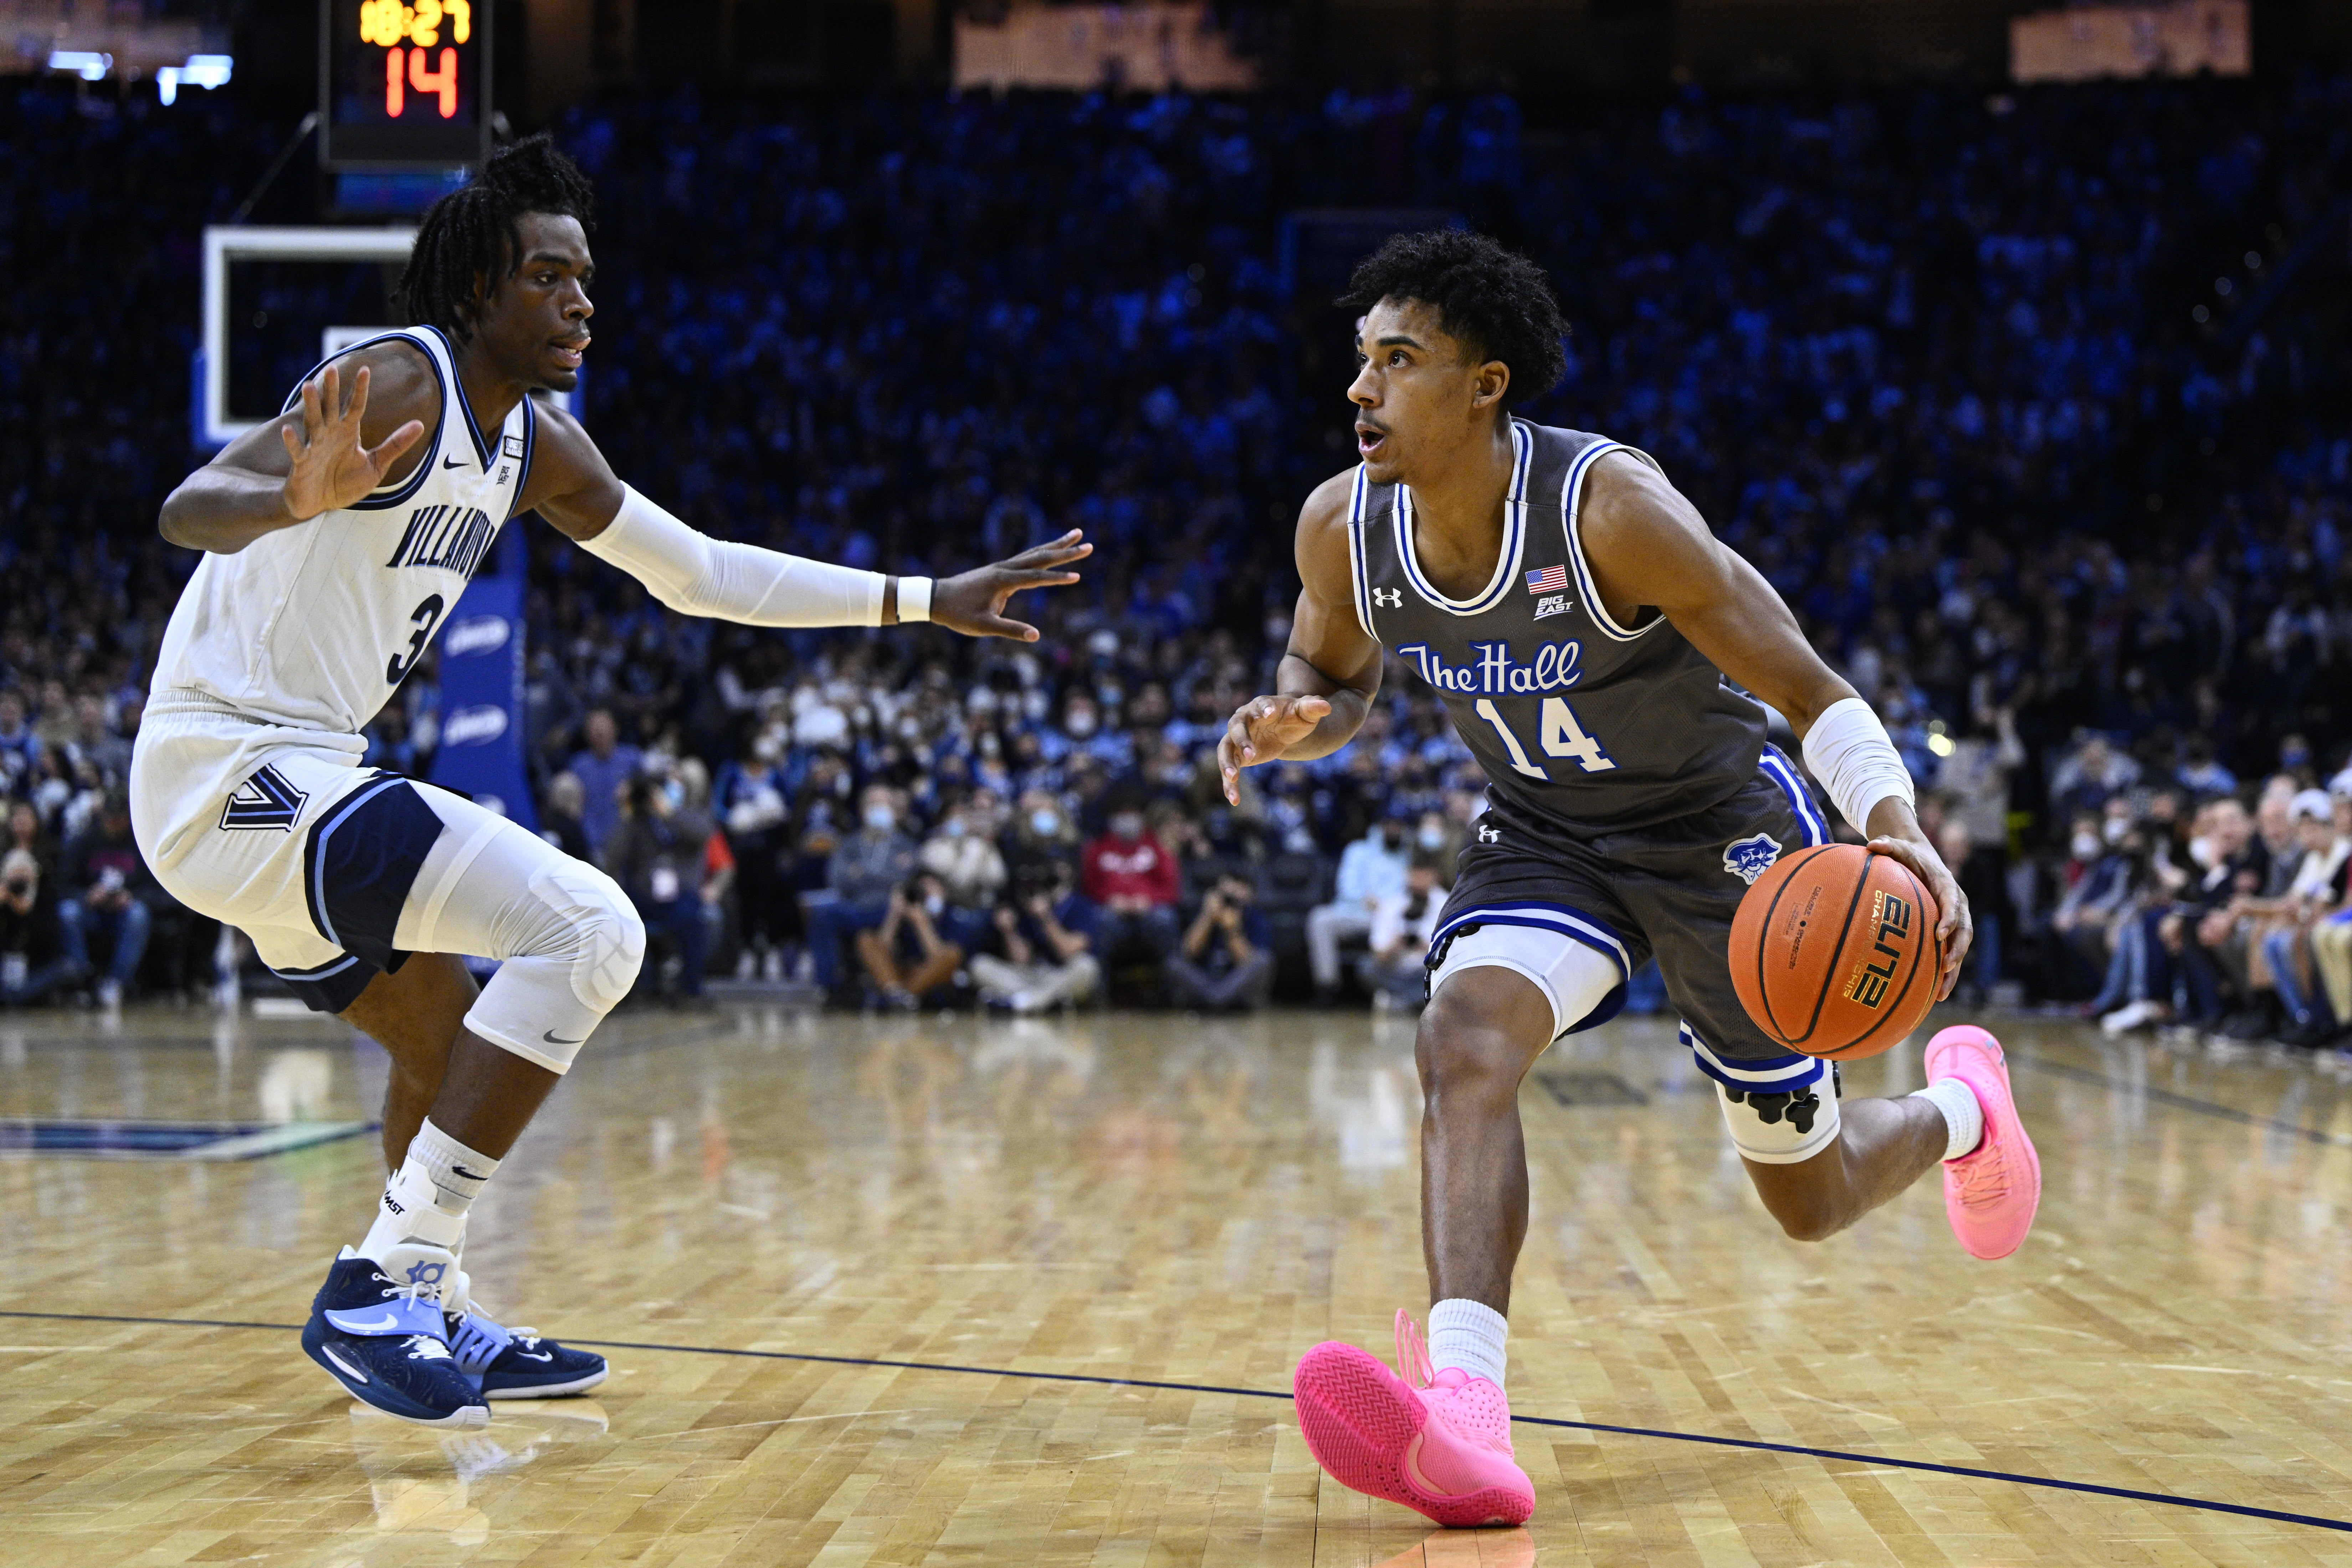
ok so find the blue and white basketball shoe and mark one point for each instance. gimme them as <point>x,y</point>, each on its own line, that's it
<point>387,1344</point>
<point>518,1363</point>
<point>511,1363</point>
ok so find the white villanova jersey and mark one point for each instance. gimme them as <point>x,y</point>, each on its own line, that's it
<point>314,625</point>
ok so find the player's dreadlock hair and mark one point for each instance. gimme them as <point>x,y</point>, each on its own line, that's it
<point>475,232</point>
<point>1496,301</point>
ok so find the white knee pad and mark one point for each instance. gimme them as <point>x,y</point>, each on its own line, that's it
<point>1782,1126</point>
<point>1583,979</point>
<point>568,941</point>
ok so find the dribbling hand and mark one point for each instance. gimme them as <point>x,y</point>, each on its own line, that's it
<point>973,601</point>
<point>331,468</point>
<point>1260,731</point>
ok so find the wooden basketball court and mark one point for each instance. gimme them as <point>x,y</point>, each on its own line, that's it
<point>968,1291</point>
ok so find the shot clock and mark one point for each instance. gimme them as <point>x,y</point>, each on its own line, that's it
<point>404,83</point>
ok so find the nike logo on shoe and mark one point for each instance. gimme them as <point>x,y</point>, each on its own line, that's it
<point>534,1355</point>
<point>550,1039</point>
<point>389,1322</point>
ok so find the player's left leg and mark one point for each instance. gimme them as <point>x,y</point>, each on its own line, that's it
<point>1966,1119</point>
<point>417,1015</point>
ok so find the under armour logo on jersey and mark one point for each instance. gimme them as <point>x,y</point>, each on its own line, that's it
<point>264,800</point>
<point>1555,606</point>
<point>1389,598</point>
<point>1489,835</point>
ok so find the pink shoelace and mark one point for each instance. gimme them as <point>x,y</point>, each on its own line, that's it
<point>1413,1354</point>
<point>1984,1176</point>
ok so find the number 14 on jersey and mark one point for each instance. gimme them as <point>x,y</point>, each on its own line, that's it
<point>1558,733</point>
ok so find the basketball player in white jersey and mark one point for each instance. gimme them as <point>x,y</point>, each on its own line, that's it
<point>337,539</point>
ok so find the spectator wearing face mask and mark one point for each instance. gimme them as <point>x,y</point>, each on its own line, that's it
<point>749,797</point>
<point>1225,960</point>
<point>1371,870</point>
<point>1038,951</point>
<point>865,868</point>
<point>2225,861</point>
<point>2099,883</point>
<point>1132,880</point>
<point>657,853</point>
<point>1040,847</point>
<point>33,961</point>
<point>964,858</point>
<point>913,952</point>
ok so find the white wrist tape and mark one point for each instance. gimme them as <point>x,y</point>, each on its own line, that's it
<point>1849,751</point>
<point>695,574</point>
<point>914,600</point>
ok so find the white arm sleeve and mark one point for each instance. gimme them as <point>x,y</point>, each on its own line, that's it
<point>695,574</point>
<point>1848,750</point>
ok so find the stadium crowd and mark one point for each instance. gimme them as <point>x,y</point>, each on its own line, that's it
<point>1956,374</point>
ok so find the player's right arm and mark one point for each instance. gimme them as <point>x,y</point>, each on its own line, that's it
<point>1330,671</point>
<point>311,459</point>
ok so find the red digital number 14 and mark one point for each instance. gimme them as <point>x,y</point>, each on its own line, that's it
<point>398,80</point>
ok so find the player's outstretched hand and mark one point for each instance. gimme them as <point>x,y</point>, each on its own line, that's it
<point>973,601</point>
<point>1956,930</point>
<point>1261,729</point>
<point>331,468</point>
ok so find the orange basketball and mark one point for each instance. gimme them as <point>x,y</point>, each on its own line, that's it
<point>1833,951</point>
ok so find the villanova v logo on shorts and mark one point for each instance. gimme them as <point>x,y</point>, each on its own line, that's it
<point>264,800</point>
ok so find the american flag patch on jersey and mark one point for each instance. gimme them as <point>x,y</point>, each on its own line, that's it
<point>1550,580</point>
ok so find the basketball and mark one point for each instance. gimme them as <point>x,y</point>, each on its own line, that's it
<point>1833,951</point>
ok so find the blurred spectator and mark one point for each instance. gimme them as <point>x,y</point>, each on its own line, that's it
<point>1372,869</point>
<point>2283,928</point>
<point>1224,962</point>
<point>867,870</point>
<point>560,810</point>
<point>750,798</point>
<point>33,961</point>
<point>1134,884</point>
<point>1037,951</point>
<point>602,766</point>
<point>105,883</point>
<point>656,852</point>
<point>20,749</point>
<point>1041,845</point>
<point>963,856</point>
<point>1402,925</point>
<point>912,955</point>
<point>95,742</point>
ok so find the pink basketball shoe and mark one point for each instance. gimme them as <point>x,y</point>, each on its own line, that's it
<point>1990,1194</point>
<point>1438,1442</point>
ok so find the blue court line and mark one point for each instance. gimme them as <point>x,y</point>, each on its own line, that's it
<point>1753,1444</point>
<point>2185,1102</point>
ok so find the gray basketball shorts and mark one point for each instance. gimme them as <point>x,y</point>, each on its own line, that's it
<point>1668,891</point>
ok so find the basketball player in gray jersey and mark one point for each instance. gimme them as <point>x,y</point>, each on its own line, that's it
<point>1596,647</point>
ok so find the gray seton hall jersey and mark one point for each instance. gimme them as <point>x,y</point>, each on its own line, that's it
<point>1579,723</point>
<point>313,626</point>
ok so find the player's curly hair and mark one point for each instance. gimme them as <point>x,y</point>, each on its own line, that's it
<point>1498,303</point>
<point>475,232</point>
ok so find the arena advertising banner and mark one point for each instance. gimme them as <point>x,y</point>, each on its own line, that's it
<point>482,690</point>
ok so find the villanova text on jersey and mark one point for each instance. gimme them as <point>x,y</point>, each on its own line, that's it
<point>1582,723</point>
<point>453,537</point>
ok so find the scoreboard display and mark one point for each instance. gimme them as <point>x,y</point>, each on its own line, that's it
<point>404,83</point>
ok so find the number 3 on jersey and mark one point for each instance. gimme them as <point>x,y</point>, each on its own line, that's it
<point>1560,734</point>
<point>424,617</point>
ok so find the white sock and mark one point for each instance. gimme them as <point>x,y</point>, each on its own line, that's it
<point>1467,1335</point>
<point>427,1198</point>
<point>1963,1116</point>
